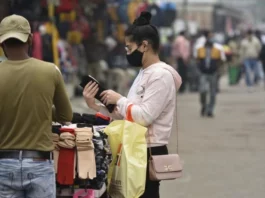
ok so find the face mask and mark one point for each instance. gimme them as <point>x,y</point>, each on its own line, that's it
<point>135,58</point>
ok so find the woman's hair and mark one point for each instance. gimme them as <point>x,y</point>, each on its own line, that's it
<point>141,29</point>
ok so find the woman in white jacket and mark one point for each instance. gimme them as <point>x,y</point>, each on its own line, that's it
<point>151,100</point>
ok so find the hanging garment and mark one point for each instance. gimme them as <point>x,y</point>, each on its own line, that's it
<point>74,37</point>
<point>30,9</point>
<point>66,161</point>
<point>83,27</point>
<point>69,17</point>
<point>132,10</point>
<point>86,165</point>
<point>63,29</point>
<point>169,13</point>
<point>122,12</point>
<point>142,7</point>
<point>156,15</point>
<point>37,46</point>
<point>66,5</point>
<point>52,30</point>
<point>103,157</point>
<point>47,50</point>
<point>112,11</point>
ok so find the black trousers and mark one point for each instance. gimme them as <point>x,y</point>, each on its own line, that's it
<point>152,187</point>
<point>182,69</point>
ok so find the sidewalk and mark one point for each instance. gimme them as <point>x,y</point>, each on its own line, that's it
<point>223,157</point>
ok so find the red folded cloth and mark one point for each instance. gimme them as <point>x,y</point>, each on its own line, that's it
<point>65,174</point>
<point>70,130</point>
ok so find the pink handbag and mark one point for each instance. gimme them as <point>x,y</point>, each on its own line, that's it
<point>165,167</point>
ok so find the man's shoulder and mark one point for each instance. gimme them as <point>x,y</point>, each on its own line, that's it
<point>43,65</point>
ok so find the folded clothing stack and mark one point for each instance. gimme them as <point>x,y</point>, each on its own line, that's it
<point>101,119</point>
<point>66,161</point>
<point>86,165</point>
<point>103,157</point>
<point>83,150</point>
<point>77,118</point>
<point>90,119</point>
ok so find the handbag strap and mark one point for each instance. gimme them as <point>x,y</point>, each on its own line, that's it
<point>177,125</point>
<point>177,130</point>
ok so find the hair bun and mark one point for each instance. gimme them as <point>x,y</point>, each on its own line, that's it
<point>143,19</point>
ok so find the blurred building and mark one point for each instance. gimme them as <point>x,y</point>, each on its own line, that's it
<point>211,14</point>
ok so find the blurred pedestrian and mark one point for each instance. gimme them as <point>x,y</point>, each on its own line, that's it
<point>262,57</point>
<point>201,41</point>
<point>233,63</point>
<point>209,58</point>
<point>250,51</point>
<point>260,72</point>
<point>181,53</point>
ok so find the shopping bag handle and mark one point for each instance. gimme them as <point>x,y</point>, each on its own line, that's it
<point>129,113</point>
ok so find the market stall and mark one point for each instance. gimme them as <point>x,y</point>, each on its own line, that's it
<point>81,156</point>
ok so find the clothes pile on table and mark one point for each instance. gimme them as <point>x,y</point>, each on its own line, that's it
<point>81,156</point>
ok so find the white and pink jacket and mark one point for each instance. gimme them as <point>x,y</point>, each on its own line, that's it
<point>151,102</point>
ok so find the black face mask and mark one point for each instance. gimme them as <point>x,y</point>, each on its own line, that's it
<point>135,58</point>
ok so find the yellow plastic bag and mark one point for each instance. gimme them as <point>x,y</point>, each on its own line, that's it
<point>127,172</point>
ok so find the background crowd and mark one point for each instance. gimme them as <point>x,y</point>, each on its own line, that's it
<point>87,37</point>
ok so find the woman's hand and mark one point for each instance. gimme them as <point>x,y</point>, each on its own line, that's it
<point>110,97</point>
<point>89,93</point>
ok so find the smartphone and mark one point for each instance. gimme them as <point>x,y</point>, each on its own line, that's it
<point>86,80</point>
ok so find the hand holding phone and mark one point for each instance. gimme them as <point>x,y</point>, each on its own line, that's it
<point>86,80</point>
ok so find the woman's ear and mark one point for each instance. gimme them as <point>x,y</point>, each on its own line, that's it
<point>145,45</point>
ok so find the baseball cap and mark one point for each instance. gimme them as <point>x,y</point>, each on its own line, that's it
<point>14,26</point>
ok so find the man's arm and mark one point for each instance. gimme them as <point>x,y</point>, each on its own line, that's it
<point>62,110</point>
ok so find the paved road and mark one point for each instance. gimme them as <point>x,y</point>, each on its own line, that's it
<point>223,157</point>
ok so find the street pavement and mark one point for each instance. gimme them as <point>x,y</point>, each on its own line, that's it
<point>224,156</point>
